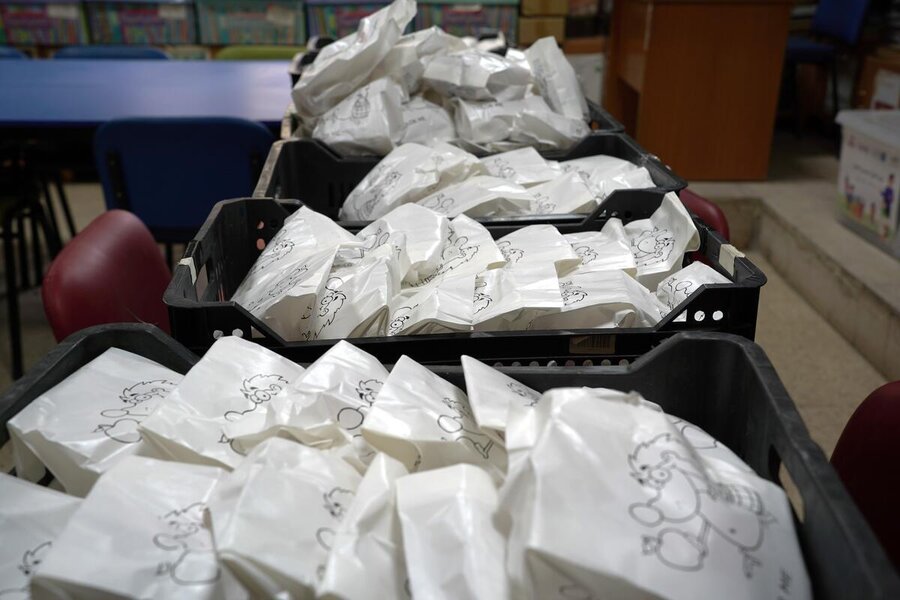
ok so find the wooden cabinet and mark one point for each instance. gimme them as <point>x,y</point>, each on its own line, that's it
<point>697,82</point>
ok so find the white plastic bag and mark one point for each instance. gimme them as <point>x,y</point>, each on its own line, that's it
<point>426,422</point>
<point>234,379</point>
<point>634,179</point>
<point>424,232</point>
<point>556,79</point>
<point>475,75</point>
<point>601,465</point>
<point>660,242</point>
<point>409,173</point>
<point>87,423</point>
<point>342,67</point>
<point>538,245</point>
<point>442,308</point>
<point>452,546</point>
<point>597,168</point>
<point>602,299</point>
<point>469,249</point>
<point>480,196</point>
<point>426,123</point>
<point>31,517</point>
<point>544,129</point>
<point>139,534</point>
<point>275,516</point>
<point>492,393</point>
<point>366,558</point>
<point>510,299</point>
<point>407,59</point>
<point>676,288</point>
<point>523,166</point>
<point>605,250</point>
<point>367,122</point>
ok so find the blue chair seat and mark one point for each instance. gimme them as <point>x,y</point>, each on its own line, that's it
<point>8,52</point>
<point>111,52</point>
<point>805,50</point>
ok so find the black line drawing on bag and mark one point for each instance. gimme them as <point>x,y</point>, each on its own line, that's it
<point>337,501</point>
<point>439,203</point>
<point>571,293</point>
<point>679,290</point>
<point>692,507</point>
<point>361,106</point>
<point>124,428</point>
<point>502,168</point>
<point>461,424</point>
<point>376,239</point>
<point>544,204</point>
<point>652,246</point>
<point>704,443</point>
<point>520,390</point>
<point>352,417</point>
<point>379,190</point>
<point>30,561</point>
<point>224,439</point>
<point>185,536</point>
<point>482,299</point>
<point>330,303</point>
<point>401,316</point>
<point>457,252</point>
<point>512,255</point>
<point>258,389</point>
<point>280,287</point>
<point>272,254</point>
<point>587,254</point>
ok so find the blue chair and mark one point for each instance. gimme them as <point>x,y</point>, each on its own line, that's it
<point>171,171</point>
<point>836,26</point>
<point>11,53</point>
<point>111,52</point>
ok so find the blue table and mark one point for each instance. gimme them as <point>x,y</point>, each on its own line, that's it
<point>86,93</point>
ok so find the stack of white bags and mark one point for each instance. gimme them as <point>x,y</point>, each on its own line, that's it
<point>376,88</point>
<point>416,271</point>
<point>250,477</point>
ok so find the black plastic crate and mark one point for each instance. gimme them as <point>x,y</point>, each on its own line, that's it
<point>600,120</point>
<point>721,383</point>
<point>309,171</point>
<point>225,248</point>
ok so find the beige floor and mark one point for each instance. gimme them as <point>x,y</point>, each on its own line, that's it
<point>824,374</point>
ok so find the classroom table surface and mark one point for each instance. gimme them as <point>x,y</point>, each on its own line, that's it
<point>87,93</point>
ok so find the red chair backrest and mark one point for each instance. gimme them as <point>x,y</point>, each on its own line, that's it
<point>711,214</point>
<point>111,272</point>
<point>866,458</point>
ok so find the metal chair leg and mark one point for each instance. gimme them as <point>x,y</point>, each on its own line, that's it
<point>64,201</point>
<point>24,271</point>
<point>37,260</point>
<point>12,297</point>
<point>45,192</point>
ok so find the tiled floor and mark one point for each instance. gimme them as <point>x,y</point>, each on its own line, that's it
<point>821,370</point>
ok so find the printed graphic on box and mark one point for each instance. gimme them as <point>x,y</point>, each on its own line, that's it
<point>869,183</point>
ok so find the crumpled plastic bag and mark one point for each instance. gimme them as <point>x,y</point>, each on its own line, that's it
<point>354,301</point>
<point>369,121</point>
<point>480,196</point>
<point>234,379</point>
<point>275,516</point>
<point>426,123</point>
<point>523,166</point>
<point>568,194</point>
<point>474,75</point>
<point>452,546</point>
<point>634,179</point>
<point>443,308</point>
<point>547,130</point>
<point>538,245</point>
<point>598,168</point>
<point>426,422</point>
<point>342,67</point>
<point>676,288</point>
<point>139,534</point>
<point>602,299</point>
<point>409,173</point>
<point>674,523</point>
<point>660,242</point>
<point>31,517</point>
<point>87,423</point>
<point>406,61</point>
<point>556,79</point>
<point>324,408</point>
<point>606,250</point>
<point>469,249</point>
<point>424,232</point>
<point>492,393</point>
<point>511,299</point>
<point>366,559</point>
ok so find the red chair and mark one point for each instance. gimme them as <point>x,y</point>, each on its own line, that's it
<point>711,214</point>
<point>867,457</point>
<point>112,272</point>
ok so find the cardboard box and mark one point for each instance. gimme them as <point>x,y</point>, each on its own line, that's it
<point>869,175</point>
<point>888,59</point>
<point>531,29</point>
<point>544,8</point>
